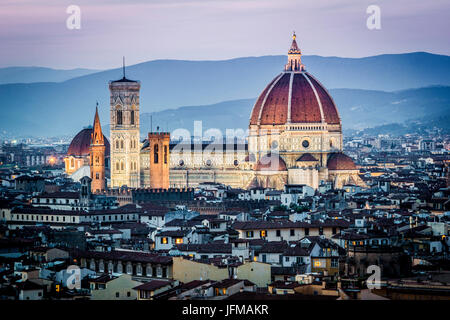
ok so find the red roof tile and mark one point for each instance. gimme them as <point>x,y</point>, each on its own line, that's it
<point>309,100</point>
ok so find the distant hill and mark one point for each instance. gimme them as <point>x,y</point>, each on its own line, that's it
<point>39,74</point>
<point>358,109</point>
<point>419,126</point>
<point>65,107</point>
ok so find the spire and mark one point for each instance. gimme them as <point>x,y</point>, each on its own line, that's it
<point>294,57</point>
<point>97,134</point>
<point>124,78</point>
<point>294,47</point>
<point>123,66</point>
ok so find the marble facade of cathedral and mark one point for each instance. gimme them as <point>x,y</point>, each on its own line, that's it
<point>295,137</point>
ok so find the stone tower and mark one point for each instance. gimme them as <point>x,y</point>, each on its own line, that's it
<point>124,134</point>
<point>85,191</point>
<point>97,156</point>
<point>159,159</point>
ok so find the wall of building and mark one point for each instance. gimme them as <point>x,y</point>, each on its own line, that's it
<point>186,270</point>
<point>257,272</point>
<point>31,294</point>
<point>122,285</point>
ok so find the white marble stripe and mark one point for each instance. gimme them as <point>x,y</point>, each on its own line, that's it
<point>317,97</point>
<point>332,100</point>
<point>291,80</point>
<point>267,94</point>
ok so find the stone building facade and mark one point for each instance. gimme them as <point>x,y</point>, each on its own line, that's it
<point>124,133</point>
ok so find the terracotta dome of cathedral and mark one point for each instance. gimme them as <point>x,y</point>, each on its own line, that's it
<point>80,144</point>
<point>294,96</point>
<point>340,161</point>
<point>270,162</point>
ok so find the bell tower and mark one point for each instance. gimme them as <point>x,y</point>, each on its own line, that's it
<point>97,156</point>
<point>124,132</point>
<point>159,147</point>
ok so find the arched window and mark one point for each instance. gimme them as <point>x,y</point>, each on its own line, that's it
<point>155,153</point>
<point>129,268</point>
<point>117,144</point>
<point>72,162</point>
<point>132,117</point>
<point>121,165</point>
<point>97,176</point>
<point>165,154</point>
<point>139,270</point>
<point>121,144</point>
<point>119,117</point>
<point>117,166</point>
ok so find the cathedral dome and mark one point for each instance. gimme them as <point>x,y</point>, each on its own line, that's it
<point>294,96</point>
<point>79,147</point>
<point>306,157</point>
<point>340,161</point>
<point>270,162</point>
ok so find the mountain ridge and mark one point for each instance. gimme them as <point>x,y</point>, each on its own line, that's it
<point>34,74</point>
<point>166,84</point>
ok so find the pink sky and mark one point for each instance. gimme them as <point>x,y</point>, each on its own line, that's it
<point>33,32</point>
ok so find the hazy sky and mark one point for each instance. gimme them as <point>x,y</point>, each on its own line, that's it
<point>34,32</point>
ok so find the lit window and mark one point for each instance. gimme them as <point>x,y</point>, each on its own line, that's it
<point>164,240</point>
<point>179,240</point>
